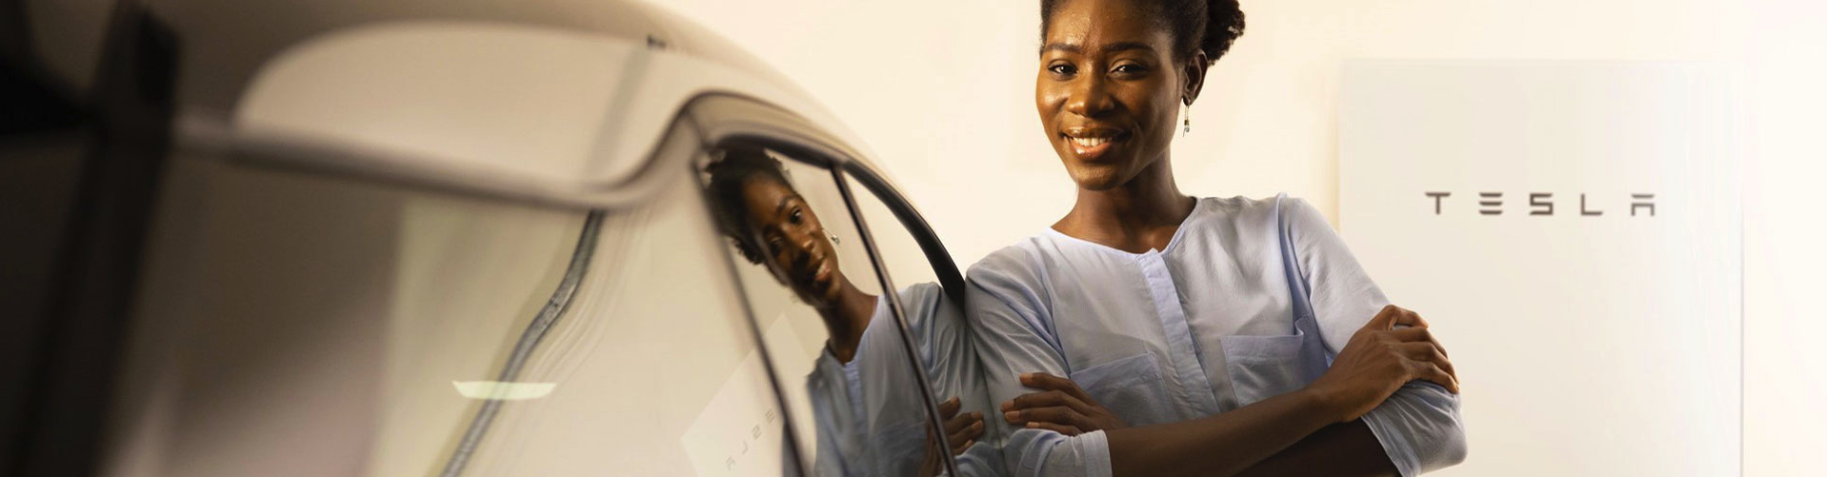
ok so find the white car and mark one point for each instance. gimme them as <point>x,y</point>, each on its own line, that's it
<point>358,237</point>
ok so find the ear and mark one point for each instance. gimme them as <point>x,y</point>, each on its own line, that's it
<point>1194,72</point>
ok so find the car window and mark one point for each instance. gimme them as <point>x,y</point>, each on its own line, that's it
<point>851,388</point>
<point>651,370</point>
<point>329,325</point>
<point>930,289</point>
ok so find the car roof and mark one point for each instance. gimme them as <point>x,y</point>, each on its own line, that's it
<point>539,94</point>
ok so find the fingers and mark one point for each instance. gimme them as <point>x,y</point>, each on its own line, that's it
<point>950,408</point>
<point>1430,372</point>
<point>1063,406</point>
<point>1420,350</point>
<point>954,425</point>
<point>1048,399</point>
<point>963,436</point>
<point>1059,415</point>
<point>1429,352</point>
<point>1418,334</point>
<point>961,430</point>
<point>959,446</point>
<point>1431,340</point>
<point>1428,357</point>
<point>1439,359</point>
<point>1416,318</point>
<point>970,431</point>
<point>1385,319</point>
<point>1412,335</point>
<point>1408,318</point>
<point>1050,382</point>
<point>1392,316</point>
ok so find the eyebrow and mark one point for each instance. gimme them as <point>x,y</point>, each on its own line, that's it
<point>782,205</point>
<point>1109,47</point>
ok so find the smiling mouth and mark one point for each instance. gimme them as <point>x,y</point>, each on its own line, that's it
<point>823,273</point>
<point>1090,145</point>
<point>816,271</point>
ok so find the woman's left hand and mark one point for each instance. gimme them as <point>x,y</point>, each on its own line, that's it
<point>1060,406</point>
<point>961,430</point>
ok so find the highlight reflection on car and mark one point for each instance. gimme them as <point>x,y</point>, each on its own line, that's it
<point>430,237</point>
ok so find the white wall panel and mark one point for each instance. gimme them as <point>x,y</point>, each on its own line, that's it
<point>1596,335</point>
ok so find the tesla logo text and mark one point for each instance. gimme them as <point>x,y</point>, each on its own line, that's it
<point>1542,203</point>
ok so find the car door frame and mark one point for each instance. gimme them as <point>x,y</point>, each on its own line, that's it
<point>726,118</point>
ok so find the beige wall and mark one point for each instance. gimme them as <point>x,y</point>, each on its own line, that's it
<point>1785,375</point>
<point>942,92</point>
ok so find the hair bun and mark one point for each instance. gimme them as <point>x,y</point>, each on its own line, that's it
<point>1207,25</point>
<point>1224,23</point>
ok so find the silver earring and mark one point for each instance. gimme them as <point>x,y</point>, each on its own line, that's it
<point>834,240</point>
<point>1187,127</point>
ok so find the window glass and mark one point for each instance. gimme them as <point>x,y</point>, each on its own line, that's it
<point>653,367</point>
<point>336,326</point>
<point>940,332</point>
<point>851,388</point>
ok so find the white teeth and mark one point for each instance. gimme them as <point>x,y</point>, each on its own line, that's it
<point>1090,141</point>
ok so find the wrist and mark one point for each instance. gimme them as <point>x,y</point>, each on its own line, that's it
<point>1323,402</point>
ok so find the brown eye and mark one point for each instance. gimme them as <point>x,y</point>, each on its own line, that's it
<point>797,217</point>
<point>1062,70</point>
<point>1130,69</point>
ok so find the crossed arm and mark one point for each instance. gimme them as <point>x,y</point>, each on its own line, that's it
<point>1388,400</point>
<point>1315,430</point>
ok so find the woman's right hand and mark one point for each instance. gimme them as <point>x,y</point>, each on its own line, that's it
<point>1378,360</point>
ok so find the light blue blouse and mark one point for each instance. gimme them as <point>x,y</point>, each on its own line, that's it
<point>1249,300</point>
<point>870,418</point>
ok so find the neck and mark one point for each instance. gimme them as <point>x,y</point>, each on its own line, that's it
<point>1139,215</point>
<point>846,318</point>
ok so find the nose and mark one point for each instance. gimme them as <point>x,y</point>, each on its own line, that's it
<point>798,243</point>
<point>1089,96</point>
<point>806,244</point>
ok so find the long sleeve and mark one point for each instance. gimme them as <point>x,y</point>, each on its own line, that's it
<point>950,357</point>
<point>1015,335</point>
<point>1419,426</point>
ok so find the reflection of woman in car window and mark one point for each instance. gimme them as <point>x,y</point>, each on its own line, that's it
<point>1149,332</point>
<point>868,413</point>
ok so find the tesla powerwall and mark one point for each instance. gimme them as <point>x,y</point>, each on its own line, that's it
<point>1571,230</point>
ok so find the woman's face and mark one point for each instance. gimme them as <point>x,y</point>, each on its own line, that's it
<point>793,241</point>
<point>1108,91</point>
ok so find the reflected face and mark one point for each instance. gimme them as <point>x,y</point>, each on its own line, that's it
<point>1108,90</point>
<point>797,250</point>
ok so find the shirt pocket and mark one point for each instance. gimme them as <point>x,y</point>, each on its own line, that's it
<point>1131,388</point>
<point>1262,367</point>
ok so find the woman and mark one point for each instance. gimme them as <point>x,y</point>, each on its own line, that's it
<point>1148,332</point>
<point>870,418</point>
